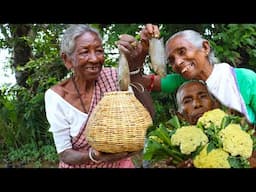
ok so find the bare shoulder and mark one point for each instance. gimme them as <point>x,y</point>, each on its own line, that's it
<point>61,88</point>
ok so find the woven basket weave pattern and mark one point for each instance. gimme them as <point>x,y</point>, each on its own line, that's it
<point>118,123</point>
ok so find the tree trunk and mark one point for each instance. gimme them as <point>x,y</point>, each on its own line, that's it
<point>21,51</point>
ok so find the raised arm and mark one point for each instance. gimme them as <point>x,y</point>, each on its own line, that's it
<point>136,52</point>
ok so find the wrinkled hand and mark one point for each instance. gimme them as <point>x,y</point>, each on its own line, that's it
<point>148,32</point>
<point>104,157</point>
<point>252,160</point>
<point>186,164</point>
<point>133,51</point>
<point>166,163</point>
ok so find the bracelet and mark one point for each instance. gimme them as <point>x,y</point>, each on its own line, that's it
<point>151,85</point>
<point>91,158</point>
<point>137,71</point>
<point>141,86</point>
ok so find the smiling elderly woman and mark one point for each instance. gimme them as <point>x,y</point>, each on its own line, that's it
<point>191,57</point>
<point>69,103</point>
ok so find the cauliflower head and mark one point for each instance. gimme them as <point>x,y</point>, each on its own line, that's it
<point>213,116</point>
<point>189,138</point>
<point>216,158</point>
<point>236,141</point>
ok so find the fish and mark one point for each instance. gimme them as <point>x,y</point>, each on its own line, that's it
<point>123,72</point>
<point>158,61</point>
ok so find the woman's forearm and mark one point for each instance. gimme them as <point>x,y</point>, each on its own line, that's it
<point>149,83</point>
<point>73,157</point>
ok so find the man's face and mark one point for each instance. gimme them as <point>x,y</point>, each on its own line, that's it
<point>194,100</point>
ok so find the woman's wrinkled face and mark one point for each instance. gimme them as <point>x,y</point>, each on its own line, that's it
<point>194,101</point>
<point>185,58</point>
<point>88,57</point>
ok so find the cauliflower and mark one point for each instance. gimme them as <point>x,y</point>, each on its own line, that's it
<point>214,116</point>
<point>236,141</point>
<point>216,158</point>
<point>189,138</point>
<point>225,140</point>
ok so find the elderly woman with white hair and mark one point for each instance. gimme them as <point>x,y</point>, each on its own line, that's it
<point>70,103</point>
<point>191,57</point>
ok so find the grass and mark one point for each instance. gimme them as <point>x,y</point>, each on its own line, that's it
<point>29,156</point>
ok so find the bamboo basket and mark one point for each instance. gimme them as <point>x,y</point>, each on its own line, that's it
<point>118,123</point>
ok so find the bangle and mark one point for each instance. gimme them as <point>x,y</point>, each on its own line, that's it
<point>137,71</point>
<point>91,158</point>
<point>141,86</point>
<point>151,84</point>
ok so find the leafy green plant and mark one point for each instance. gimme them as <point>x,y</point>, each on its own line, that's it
<point>218,140</point>
<point>30,154</point>
<point>234,44</point>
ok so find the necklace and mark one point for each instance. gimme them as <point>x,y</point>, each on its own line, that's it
<point>79,95</point>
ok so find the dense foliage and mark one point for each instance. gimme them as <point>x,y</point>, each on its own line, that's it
<point>35,60</point>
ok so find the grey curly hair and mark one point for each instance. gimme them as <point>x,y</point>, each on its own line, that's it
<point>67,45</point>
